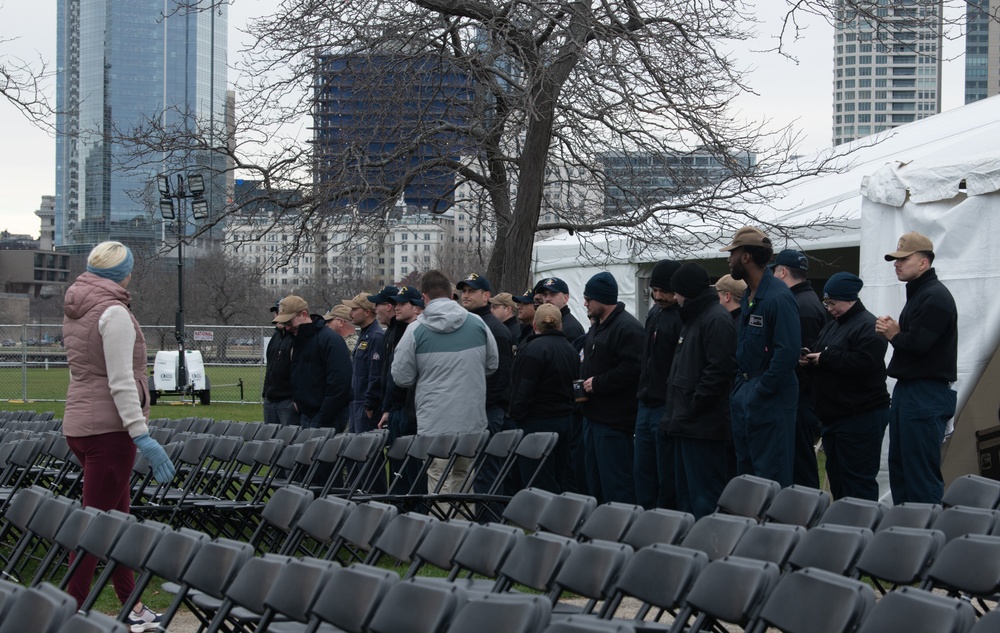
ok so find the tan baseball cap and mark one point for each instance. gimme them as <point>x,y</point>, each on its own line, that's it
<point>747,236</point>
<point>735,287</point>
<point>909,244</point>
<point>289,307</point>
<point>338,312</point>
<point>360,301</point>
<point>503,299</point>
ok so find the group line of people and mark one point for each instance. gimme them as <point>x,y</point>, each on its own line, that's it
<point>740,377</point>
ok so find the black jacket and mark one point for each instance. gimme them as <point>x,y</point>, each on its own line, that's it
<point>612,355</point>
<point>278,375</point>
<point>542,379</point>
<point>514,329</point>
<point>926,347</point>
<point>321,374</point>
<point>571,327</point>
<point>701,376</point>
<point>850,375</point>
<point>812,317</point>
<point>498,383</point>
<point>663,326</point>
<point>397,397</point>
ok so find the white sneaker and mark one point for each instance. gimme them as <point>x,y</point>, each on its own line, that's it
<point>145,620</point>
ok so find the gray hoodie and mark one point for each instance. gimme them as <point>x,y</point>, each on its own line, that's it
<point>447,353</point>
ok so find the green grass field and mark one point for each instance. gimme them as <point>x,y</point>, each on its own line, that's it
<point>46,388</point>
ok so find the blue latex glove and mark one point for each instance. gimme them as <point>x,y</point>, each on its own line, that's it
<point>163,468</point>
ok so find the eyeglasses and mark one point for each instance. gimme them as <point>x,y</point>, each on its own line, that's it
<point>829,303</point>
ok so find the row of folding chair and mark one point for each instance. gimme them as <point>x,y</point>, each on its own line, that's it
<point>547,562</point>
<point>25,416</point>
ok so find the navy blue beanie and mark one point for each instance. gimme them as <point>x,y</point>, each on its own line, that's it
<point>843,287</point>
<point>602,288</point>
<point>662,272</point>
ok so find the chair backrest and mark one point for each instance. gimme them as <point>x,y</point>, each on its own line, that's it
<point>173,553</point>
<point>833,548</point>
<point>609,521</point>
<point>499,613</point>
<point>362,526</point>
<point>367,587</point>
<point>900,556</point>
<point>591,569</point>
<point>816,601</point>
<point>747,496</point>
<point>93,622</point>
<point>854,512</point>
<point>659,576</point>
<point>215,565</point>
<point>49,516</point>
<point>24,504</point>
<point>797,505</point>
<point>412,607</point>
<point>912,515</point>
<point>581,624</point>
<point>253,581</point>
<point>772,542</point>
<point>989,622</point>
<point>729,590</point>
<point>565,513</point>
<point>103,532</point>
<point>658,526</point>
<point>321,521</point>
<point>286,506</point>
<point>296,587</point>
<point>717,534</point>
<point>958,521</point>
<point>972,491</point>
<point>967,564</point>
<point>910,610</point>
<point>401,537</point>
<point>41,609</point>
<point>526,506</point>
<point>534,561</point>
<point>440,544</point>
<point>484,549</point>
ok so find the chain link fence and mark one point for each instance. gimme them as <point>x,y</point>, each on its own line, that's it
<point>33,361</point>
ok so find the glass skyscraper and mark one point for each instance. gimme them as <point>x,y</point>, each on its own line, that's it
<point>982,68</point>
<point>122,63</point>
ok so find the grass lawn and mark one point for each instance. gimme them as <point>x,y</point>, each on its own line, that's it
<point>46,388</point>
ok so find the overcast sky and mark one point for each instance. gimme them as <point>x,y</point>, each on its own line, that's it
<point>788,93</point>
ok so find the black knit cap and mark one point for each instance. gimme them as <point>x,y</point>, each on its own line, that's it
<point>843,286</point>
<point>602,288</point>
<point>690,280</point>
<point>662,272</point>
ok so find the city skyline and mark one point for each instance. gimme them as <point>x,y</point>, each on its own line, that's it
<point>782,86</point>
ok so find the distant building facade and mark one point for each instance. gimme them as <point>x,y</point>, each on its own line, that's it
<point>887,68</point>
<point>982,50</point>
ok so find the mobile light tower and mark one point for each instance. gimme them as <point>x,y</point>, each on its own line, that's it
<point>195,190</point>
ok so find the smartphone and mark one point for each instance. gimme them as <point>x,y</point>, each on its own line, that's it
<point>804,351</point>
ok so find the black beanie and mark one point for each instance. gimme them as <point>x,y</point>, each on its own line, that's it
<point>662,272</point>
<point>843,287</point>
<point>690,280</point>
<point>602,288</point>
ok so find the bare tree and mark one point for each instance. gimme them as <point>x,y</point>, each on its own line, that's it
<point>22,85</point>
<point>500,107</point>
<point>458,260</point>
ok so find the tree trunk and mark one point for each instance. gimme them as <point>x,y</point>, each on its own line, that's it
<point>510,265</point>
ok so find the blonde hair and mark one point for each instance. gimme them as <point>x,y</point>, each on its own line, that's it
<point>107,255</point>
<point>547,317</point>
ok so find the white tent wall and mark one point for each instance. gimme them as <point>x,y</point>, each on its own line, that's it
<point>924,196</point>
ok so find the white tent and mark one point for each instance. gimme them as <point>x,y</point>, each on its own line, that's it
<point>939,176</point>
<point>925,196</point>
<point>944,139</point>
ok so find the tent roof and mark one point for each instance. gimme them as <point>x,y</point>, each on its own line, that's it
<point>926,159</point>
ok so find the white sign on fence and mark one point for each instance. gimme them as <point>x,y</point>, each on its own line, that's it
<point>203,335</point>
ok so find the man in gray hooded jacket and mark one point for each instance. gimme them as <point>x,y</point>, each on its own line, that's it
<point>447,354</point>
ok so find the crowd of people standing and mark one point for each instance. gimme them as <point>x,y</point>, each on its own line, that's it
<point>743,376</point>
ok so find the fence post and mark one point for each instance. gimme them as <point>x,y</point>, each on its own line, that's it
<point>24,362</point>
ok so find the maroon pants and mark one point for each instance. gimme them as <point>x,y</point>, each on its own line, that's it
<point>107,466</point>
